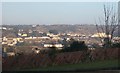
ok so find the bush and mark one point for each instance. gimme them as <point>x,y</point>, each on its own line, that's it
<point>24,61</point>
<point>76,46</point>
<point>53,32</point>
<point>116,45</point>
<point>52,52</point>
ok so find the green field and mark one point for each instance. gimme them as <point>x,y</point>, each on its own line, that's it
<point>106,64</point>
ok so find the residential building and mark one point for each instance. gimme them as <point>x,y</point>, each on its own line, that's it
<point>9,41</point>
<point>59,46</point>
<point>100,35</point>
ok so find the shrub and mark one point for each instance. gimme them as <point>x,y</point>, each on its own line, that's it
<point>76,46</point>
<point>52,52</point>
<point>43,60</point>
<point>116,45</point>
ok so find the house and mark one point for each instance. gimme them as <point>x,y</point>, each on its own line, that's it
<point>58,46</point>
<point>90,47</point>
<point>56,38</point>
<point>24,35</point>
<point>44,37</point>
<point>4,39</point>
<point>36,50</point>
<point>19,39</point>
<point>48,45</point>
<point>9,41</point>
<point>10,53</point>
<point>100,35</point>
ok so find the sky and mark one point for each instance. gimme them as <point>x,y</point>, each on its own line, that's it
<point>59,0</point>
<point>52,12</point>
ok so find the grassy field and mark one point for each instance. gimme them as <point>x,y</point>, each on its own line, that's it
<point>96,65</point>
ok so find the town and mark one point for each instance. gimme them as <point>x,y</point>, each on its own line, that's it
<point>26,38</point>
<point>60,36</point>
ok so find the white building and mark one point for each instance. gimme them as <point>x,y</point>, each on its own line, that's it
<point>100,35</point>
<point>59,46</point>
<point>10,54</point>
<point>9,41</point>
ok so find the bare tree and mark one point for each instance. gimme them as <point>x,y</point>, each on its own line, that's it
<point>107,25</point>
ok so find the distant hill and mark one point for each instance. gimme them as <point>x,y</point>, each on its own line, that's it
<point>86,29</point>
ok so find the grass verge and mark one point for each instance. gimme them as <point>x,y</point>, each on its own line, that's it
<point>96,65</point>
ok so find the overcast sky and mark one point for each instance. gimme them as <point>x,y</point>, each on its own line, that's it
<point>52,12</point>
